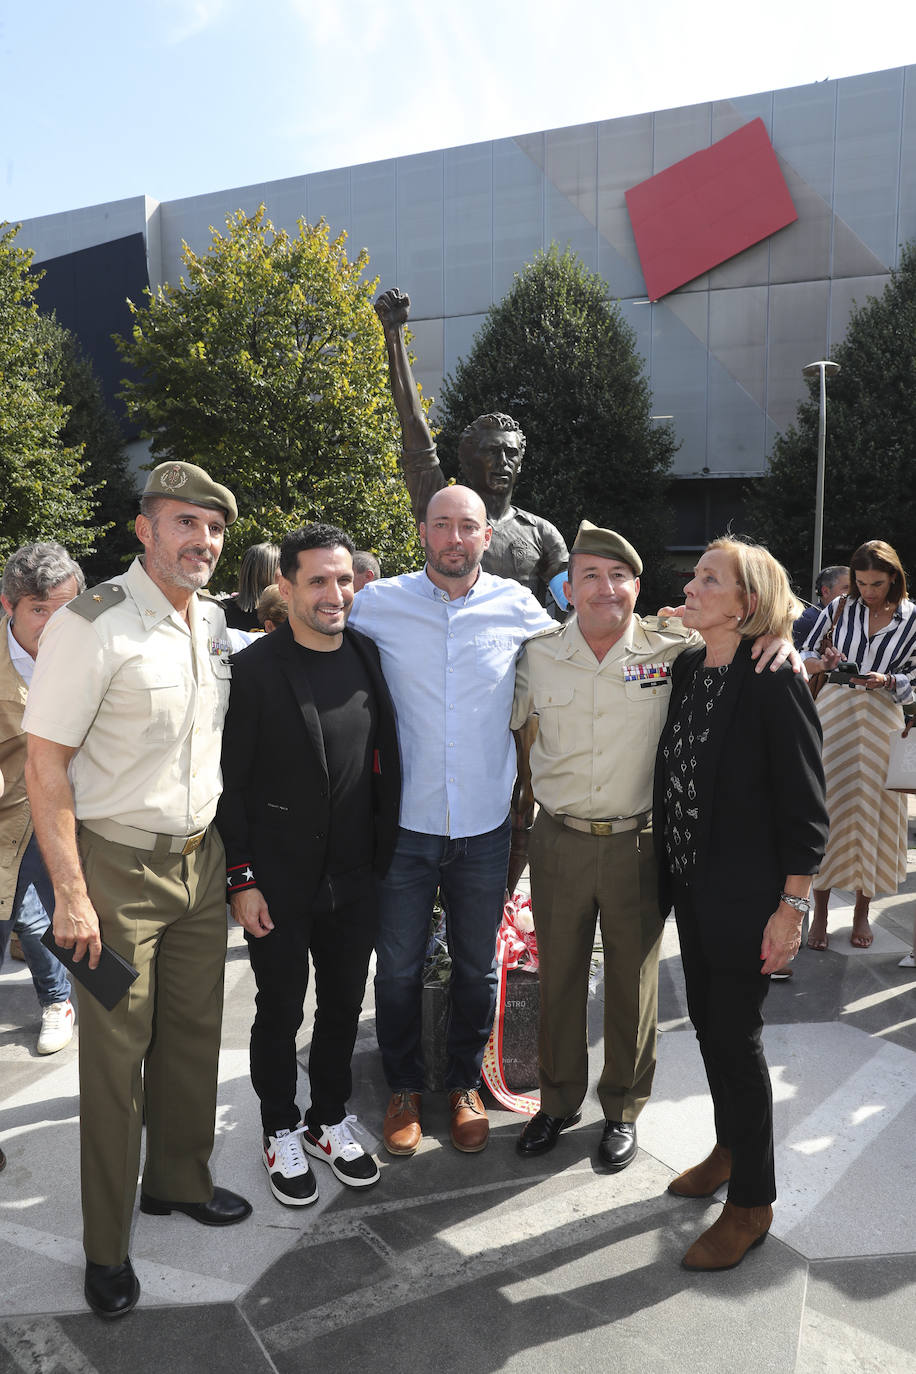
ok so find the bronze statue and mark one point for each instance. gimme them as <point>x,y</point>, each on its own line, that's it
<point>490,452</point>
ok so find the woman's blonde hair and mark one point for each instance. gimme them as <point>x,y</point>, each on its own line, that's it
<point>258,570</point>
<point>758,574</point>
<point>272,606</point>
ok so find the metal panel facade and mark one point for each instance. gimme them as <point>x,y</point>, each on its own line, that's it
<point>724,352</point>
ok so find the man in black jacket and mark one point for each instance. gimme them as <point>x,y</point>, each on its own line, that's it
<point>309,812</point>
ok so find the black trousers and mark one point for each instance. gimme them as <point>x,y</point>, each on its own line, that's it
<point>340,937</point>
<point>726,1008</point>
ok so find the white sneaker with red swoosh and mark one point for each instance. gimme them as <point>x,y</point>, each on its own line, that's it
<point>291,1180</point>
<point>347,1158</point>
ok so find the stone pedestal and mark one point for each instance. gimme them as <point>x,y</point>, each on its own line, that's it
<point>520,1031</point>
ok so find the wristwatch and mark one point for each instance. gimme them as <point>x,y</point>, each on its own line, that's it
<point>800,903</point>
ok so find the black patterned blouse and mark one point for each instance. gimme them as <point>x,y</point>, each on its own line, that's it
<point>681,761</point>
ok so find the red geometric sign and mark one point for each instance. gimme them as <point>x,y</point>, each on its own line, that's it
<point>708,207</point>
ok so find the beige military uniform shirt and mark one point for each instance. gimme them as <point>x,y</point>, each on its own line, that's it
<point>142,695</point>
<point>598,723</point>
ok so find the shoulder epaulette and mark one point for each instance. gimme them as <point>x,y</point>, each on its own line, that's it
<point>548,631</point>
<point>657,624</point>
<point>93,602</point>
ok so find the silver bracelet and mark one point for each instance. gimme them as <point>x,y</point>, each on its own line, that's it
<point>800,903</point>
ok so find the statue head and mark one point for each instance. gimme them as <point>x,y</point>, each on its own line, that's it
<point>490,453</point>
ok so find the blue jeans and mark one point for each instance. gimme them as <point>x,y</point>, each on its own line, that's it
<point>33,901</point>
<point>471,874</point>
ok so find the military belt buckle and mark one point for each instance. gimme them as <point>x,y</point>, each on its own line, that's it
<point>193,842</point>
<point>603,827</point>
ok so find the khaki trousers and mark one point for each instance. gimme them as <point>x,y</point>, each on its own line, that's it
<point>158,1048</point>
<point>576,879</point>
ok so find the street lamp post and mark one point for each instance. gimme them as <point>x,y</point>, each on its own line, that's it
<point>823,369</point>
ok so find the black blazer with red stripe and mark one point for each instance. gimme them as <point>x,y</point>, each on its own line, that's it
<point>274,811</point>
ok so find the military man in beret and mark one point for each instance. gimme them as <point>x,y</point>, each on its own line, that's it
<point>124,719</point>
<point>591,698</point>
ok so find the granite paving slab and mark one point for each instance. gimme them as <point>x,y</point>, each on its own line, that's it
<point>494,1262</point>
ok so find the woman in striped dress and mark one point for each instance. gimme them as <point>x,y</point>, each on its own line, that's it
<point>876,630</point>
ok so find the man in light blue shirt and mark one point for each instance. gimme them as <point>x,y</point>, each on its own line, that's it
<point>449,637</point>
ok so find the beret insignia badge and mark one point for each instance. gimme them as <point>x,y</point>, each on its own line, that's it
<point>173,477</point>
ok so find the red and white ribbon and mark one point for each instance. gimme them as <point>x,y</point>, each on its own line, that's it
<point>516,945</point>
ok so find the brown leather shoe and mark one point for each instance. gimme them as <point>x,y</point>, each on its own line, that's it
<point>401,1128</point>
<point>470,1127</point>
<point>704,1179</point>
<point>729,1238</point>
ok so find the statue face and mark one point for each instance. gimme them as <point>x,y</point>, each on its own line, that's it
<point>493,464</point>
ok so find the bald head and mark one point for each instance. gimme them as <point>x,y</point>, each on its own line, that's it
<point>456,500</point>
<point>455,534</point>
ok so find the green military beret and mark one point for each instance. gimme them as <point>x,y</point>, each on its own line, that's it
<point>606,544</point>
<point>187,482</point>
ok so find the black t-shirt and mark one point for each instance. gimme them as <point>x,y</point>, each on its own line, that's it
<point>348,714</point>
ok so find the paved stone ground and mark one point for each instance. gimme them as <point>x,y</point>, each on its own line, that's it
<point>490,1262</point>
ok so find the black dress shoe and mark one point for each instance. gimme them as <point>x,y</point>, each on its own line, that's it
<point>223,1209</point>
<point>111,1290</point>
<point>618,1145</point>
<point>540,1134</point>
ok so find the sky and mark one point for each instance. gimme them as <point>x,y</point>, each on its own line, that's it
<point>171,98</point>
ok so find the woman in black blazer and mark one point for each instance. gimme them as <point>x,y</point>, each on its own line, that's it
<point>740,825</point>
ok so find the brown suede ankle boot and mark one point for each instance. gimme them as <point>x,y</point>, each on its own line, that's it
<point>703,1179</point>
<point>728,1240</point>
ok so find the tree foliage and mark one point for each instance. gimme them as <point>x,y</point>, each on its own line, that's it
<point>44,489</point>
<point>91,427</point>
<point>870,442</point>
<point>557,356</point>
<point>267,365</point>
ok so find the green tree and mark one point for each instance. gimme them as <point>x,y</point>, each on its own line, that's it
<point>871,439</point>
<point>91,427</point>
<point>557,356</point>
<point>267,365</point>
<point>44,490</point>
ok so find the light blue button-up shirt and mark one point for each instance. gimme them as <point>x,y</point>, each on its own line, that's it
<point>450,668</point>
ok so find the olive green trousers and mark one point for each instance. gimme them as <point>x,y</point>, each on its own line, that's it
<point>157,1050</point>
<point>576,880</point>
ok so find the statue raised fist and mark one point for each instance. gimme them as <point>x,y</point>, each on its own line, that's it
<point>392,308</point>
<point>522,545</point>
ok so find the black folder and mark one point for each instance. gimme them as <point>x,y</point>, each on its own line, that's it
<point>107,982</point>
